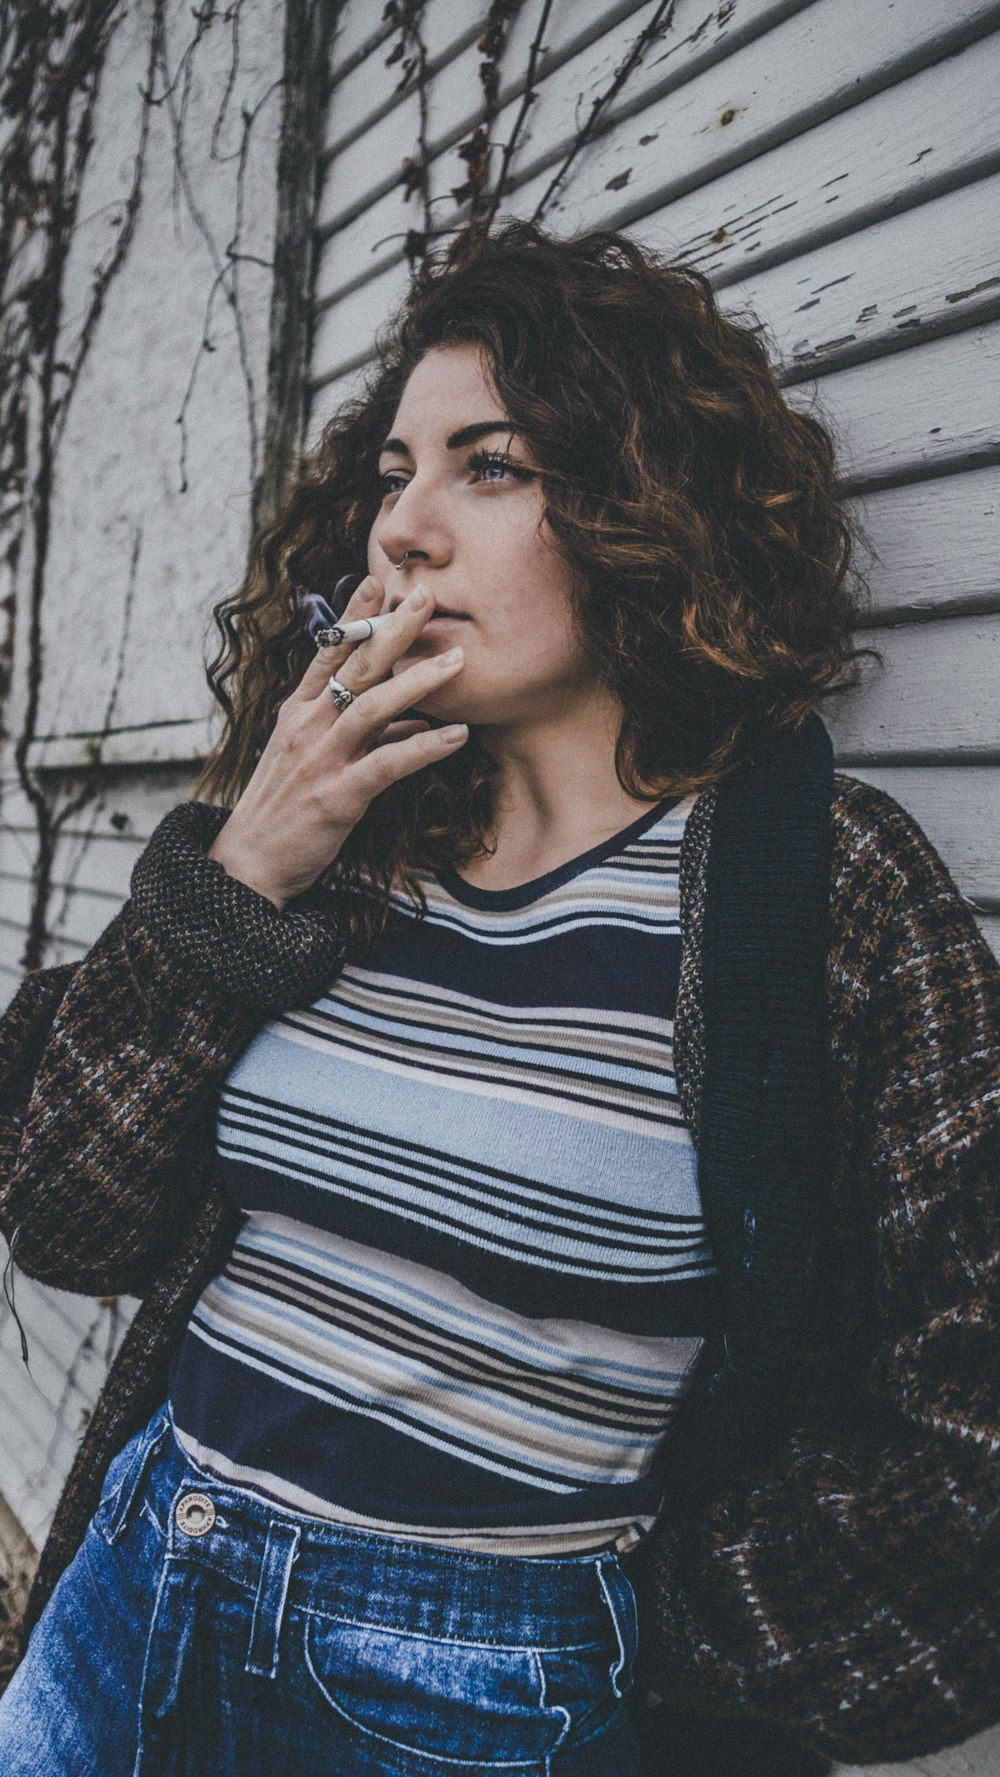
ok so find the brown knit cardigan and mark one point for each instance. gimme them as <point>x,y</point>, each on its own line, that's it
<point>847,1584</point>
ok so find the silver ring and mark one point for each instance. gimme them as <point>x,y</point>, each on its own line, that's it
<point>340,694</point>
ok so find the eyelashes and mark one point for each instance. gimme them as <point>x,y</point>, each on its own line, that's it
<point>478,460</point>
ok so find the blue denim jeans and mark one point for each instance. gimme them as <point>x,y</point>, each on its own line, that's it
<point>202,1630</point>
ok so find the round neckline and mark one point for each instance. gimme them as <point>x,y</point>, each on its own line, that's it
<point>526,892</point>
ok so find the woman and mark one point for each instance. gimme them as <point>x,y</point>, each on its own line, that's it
<point>552,1123</point>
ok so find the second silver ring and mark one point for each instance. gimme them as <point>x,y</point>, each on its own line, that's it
<point>340,693</point>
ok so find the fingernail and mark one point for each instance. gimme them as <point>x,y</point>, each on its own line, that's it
<point>452,658</point>
<point>417,598</point>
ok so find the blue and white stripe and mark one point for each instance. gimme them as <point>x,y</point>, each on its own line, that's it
<point>472,1279</point>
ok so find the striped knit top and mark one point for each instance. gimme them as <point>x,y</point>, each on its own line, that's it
<point>472,1279</point>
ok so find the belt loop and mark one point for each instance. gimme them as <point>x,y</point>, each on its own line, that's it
<point>132,1480</point>
<point>280,1551</point>
<point>619,1597</point>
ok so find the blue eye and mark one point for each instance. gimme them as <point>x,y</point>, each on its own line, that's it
<point>478,460</point>
<point>490,459</point>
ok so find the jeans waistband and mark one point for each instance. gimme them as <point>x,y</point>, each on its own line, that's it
<point>281,1558</point>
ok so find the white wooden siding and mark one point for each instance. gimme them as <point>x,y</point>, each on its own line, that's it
<point>835,169</point>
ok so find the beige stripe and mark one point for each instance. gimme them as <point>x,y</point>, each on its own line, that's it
<point>614,1046</point>
<point>502,1068</point>
<point>532,1384</point>
<point>563,1450</point>
<point>524,1539</point>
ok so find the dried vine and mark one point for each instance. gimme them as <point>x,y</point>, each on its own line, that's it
<point>51,65</point>
<point>655,28</point>
<point>52,58</point>
<point>406,17</point>
<point>482,196</point>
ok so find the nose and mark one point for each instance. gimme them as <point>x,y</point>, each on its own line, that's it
<point>412,527</point>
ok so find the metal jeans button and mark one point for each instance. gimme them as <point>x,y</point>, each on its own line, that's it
<point>195,1514</point>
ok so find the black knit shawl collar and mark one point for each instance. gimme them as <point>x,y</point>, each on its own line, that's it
<point>765,1116</point>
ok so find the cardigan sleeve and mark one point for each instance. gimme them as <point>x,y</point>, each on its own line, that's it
<point>849,1585</point>
<point>110,1068</point>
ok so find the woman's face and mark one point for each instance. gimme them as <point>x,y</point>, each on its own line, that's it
<point>469,515</point>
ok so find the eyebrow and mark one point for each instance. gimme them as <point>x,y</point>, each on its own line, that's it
<point>467,435</point>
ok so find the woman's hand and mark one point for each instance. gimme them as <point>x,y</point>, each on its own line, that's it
<point>322,766</point>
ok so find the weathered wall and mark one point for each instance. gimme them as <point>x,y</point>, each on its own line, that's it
<point>134,517</point>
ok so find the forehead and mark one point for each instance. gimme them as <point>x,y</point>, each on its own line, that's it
<point>448,379</point>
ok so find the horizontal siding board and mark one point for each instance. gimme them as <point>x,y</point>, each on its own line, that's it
<point>80,918</point>
<point>919,138</point>
<point>141,798</point>
<point>582,52</point>
<point>12,941</point>
<point>914,413</point>
<point>358,39</point>
<point>92,865</point>
<point>936,699</point>
<point>842,52</point>
<point>931,268</point>
<point>836,66</point>
<point>35,1469</point>
<point>450,38</point>
<point>936,544</point>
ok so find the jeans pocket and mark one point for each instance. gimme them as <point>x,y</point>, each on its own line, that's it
<point>577,1682</point>
<point>460,1703</point>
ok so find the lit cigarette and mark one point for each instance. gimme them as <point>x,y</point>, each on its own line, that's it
<point>358,631</point>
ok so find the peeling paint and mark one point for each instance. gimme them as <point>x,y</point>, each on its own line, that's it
<point>974,290</point>
<point>809,349</point>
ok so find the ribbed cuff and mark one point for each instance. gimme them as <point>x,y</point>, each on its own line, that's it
<point>223,931</point>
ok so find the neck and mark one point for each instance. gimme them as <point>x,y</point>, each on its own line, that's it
<point>556,785</point>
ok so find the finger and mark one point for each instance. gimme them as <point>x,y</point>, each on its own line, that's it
<point>386,765</point>
<point>354,728</point>
<point>374,658</point>
<point>400,731</point>
<point>371,661</point>
<point>365,601</point>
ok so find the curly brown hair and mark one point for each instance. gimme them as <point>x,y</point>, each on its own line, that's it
<point>710,546</point>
